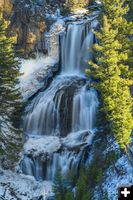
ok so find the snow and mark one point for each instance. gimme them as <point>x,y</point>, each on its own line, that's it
<point>80,11</point>
<point>78,138</point>
<point>15,186</point>
<point>31,65</point>
<point>94,23</point>
<point>52,38</point>
<point>114,179</point>
<point>98,2</point>
<point>42,145</point>
<point>33,73</point>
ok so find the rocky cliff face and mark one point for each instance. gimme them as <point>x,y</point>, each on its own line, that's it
<point>30,19</point>
<point>7,7</point>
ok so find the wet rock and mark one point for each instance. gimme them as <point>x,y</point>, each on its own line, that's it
<point>66,105</point>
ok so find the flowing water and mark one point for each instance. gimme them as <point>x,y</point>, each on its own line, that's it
<point>66,110</point>
<point>76,46</point>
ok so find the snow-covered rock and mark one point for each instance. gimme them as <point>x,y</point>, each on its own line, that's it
<point>52,38</point>
<point>35,73</point>
<point>15,186</point>
<point>78,139</point>
<point>113,180</point>
<point>121,175</point>
<point>47,145</point>
<point>42,145</point>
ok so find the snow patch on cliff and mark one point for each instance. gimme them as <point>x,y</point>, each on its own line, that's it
<point>118,176</point>
<point>33,73</point>
<point>114,180</point>
<point>21,187</point>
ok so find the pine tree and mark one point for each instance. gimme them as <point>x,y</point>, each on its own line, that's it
<point>61,184</point>
<point>82,186</point>
<point>116,12</point>
<point>63,187</point>
<point>10,100</point>
<point>112,70</point>
<point>69,196</point>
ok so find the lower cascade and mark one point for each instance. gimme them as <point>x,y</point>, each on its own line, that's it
<point>60,122</point>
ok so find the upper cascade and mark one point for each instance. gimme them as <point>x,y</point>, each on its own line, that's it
<point>76,45</point>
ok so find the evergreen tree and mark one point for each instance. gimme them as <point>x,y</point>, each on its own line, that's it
<point>112,71</point>
<point>62,187</point>
<point>10,100</point>
<point>82,186</point>
<point>116,12</point>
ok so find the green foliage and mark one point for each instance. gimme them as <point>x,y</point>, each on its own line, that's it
<point>90,177</point>
<point>95,171</point>
<point>72,177</point>
<point>82,191</point>
<point>63,185</point>
<point>77,3</point>
<point>71,5</point>
<point>112,71</point>
<point>106,197</point>
<point>10,100</point>
<point>111,158</point>
<point>65,9</point>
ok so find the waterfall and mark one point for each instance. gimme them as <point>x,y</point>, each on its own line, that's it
<point>60,120</point>
<point>85,104</point>
<point>75,45</point>
<point>46,117</point>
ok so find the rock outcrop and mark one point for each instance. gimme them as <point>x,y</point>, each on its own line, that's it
<point>29,20</point>
<point>6,7</point>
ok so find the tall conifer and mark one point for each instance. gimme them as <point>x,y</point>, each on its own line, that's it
<point>112,71</point>
<point>10,100</point>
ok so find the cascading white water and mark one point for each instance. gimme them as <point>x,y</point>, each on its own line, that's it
<point>85,104</point>
<point>75,45</point>
<point>66,109</point>
<point>46,118</point>
<point>58,162</point>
